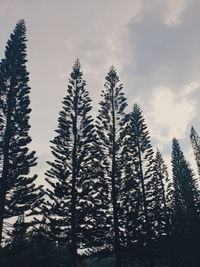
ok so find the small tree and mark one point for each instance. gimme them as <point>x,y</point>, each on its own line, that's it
<point>19,233</point>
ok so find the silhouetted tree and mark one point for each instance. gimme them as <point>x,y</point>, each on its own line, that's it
<point>40,229</point>
<point>161,206</point>
<point>138,181</point>
<point>18,193</point>
<point>109,127</point>
<point>19,233</point>
<point>72,176</point>
<point>100,232</point>
<point>185,189</point>
<point>185,221</point>
<point>130,192</point>
<point>195,141</point>
<point>143,165</point>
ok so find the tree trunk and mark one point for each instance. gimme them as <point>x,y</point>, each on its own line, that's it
<point>3,179</point>
<point>144,196</point>
<point>114,193</point>
<point>2,205</point>
<point>74,195</point>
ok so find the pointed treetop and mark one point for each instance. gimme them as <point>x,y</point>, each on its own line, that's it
<point>157,150</point>
<point>176,149</point>
<point>17,38</point>
<point>112,76</point>
<point>21,22</point>
<point>20,26</point>
<point>158,153</point>
<point>112,69</point>
<point>136,107</point>
<point>193,134</point>
<point>175,142</point>
<point>77,64</point>
<point>76,69</point>
<point>137,110</point>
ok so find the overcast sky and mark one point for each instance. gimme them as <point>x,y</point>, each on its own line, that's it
<point>154,45</point>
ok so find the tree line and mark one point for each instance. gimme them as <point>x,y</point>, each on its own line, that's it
<point>108,190</point>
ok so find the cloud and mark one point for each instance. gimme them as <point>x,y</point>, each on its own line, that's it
<point>175,9</point>
<point>10,7</point>
<point>161,54</point>
<point>171,113</point>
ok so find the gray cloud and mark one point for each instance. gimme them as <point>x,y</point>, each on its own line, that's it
<point>162,54</point>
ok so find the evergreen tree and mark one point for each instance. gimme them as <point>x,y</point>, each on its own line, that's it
<point>185,191</point>
<point>40,229</point>
<point>19,233</point>
<point>195,141</point>
<point>102,236</point>
<point>161,208</point>
<point>130,193</point>
<point>139,176</point>
<point>109,128</point>
<point>185,207</point>
<point>18,193</point>
<point>72,174</point>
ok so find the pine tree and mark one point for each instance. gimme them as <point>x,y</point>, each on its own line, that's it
<point>102,237</point>
<point>130,198</point>
<point>185,220</point>
<point>140,174</point>
<point>185,191</point>
<point>19,233</point>
<point>72,174</point>
<point>195,141</point>
<point>109,128</point>
<point>18,192</point>
<point>161,209</point>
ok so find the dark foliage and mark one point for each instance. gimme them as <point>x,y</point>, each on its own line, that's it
<point>18,193</point>
<point>109,127</point>
<point>195,141</point>
<point>34,253</point>
<point>137,187</point>
<point>185,220</point>
<point>73,176</point>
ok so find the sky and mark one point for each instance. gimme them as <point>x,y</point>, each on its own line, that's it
<point>153,44</point>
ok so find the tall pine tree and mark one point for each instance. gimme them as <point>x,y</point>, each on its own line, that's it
<point>185,220</point>
<point>72,174</point>
<point>185,190</point>
<point>109,128</point>
<point>18,192</point>
<point>141,172</point>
